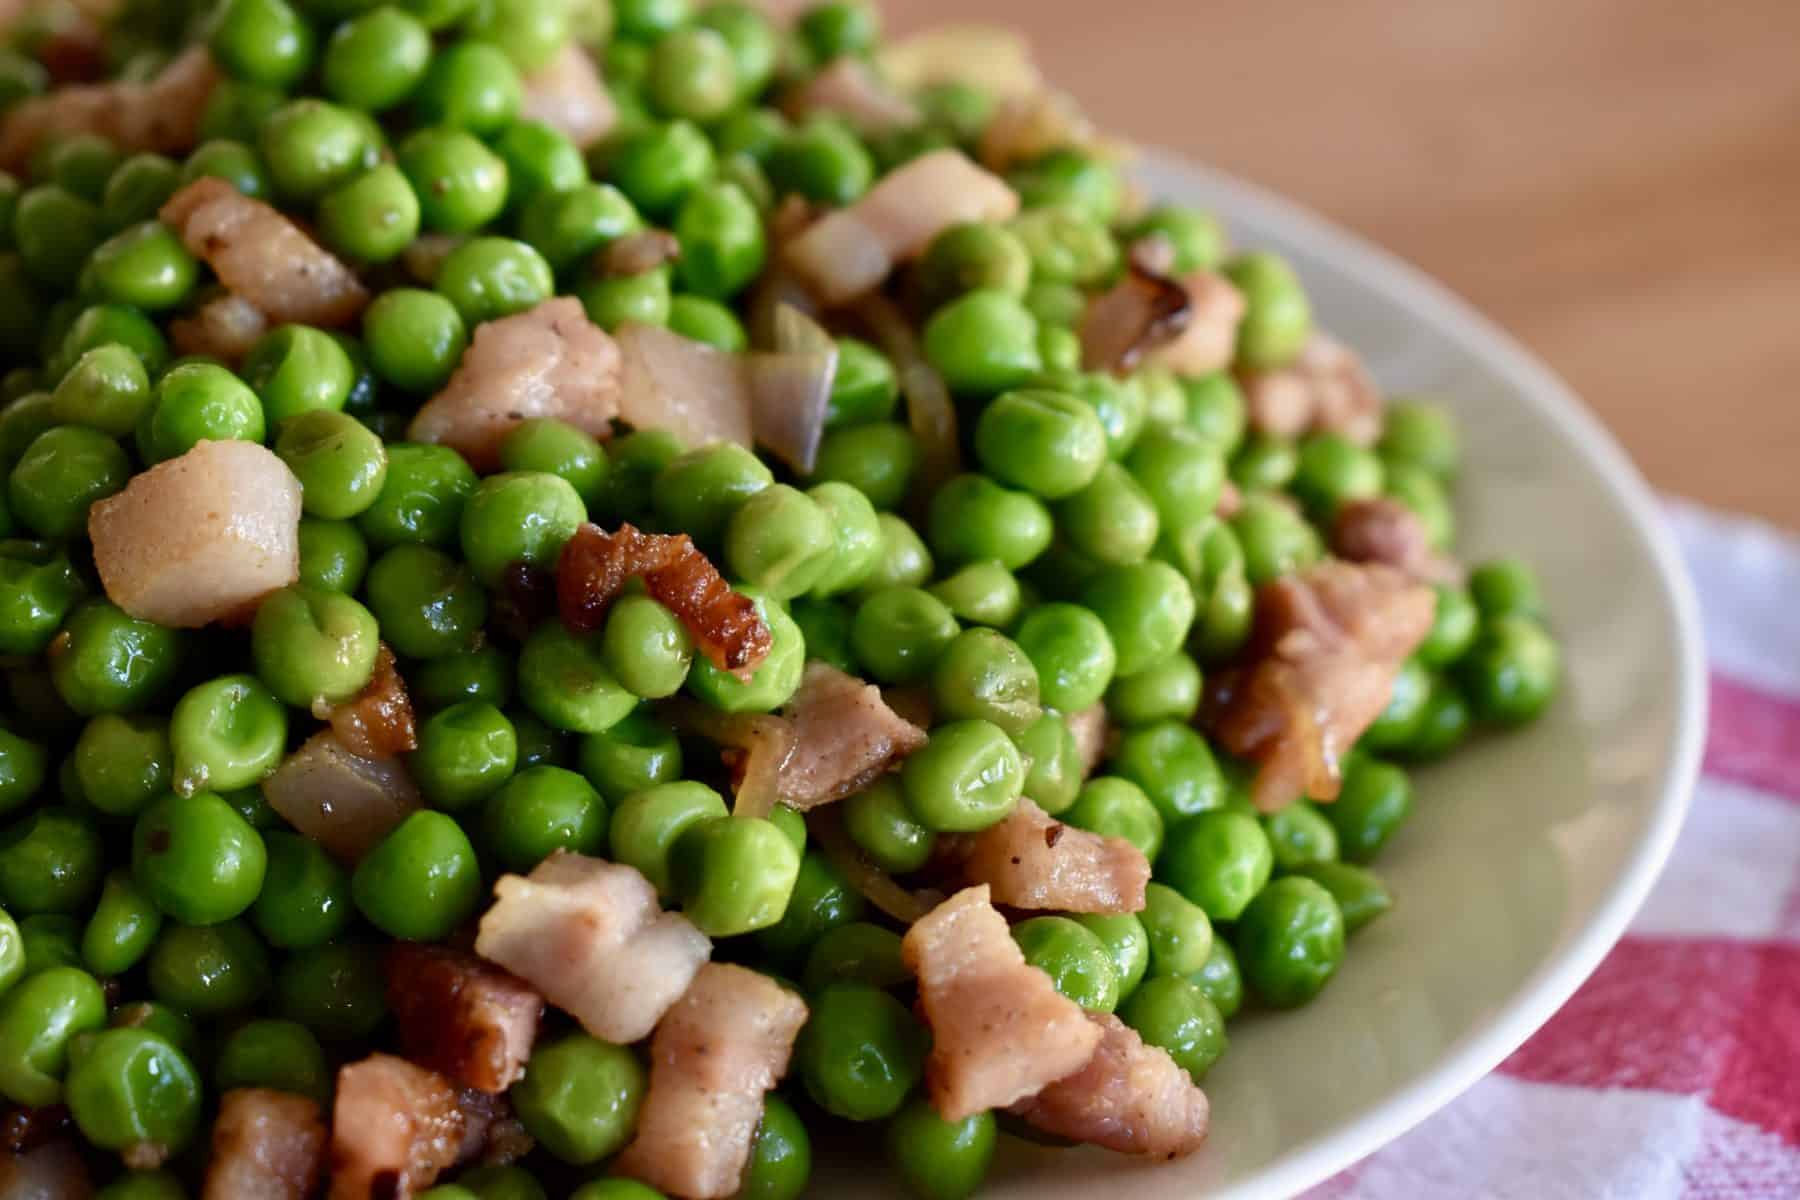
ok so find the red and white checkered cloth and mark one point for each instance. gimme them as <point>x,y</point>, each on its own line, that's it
<point>1675,1070</point>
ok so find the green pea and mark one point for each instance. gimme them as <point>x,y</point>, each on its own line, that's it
<point>63,472</point>
<point>1177,1015</point>
<point>564,680</point>
<point>1112,520</point>
<point>38,586</point>
<point>825,625</point>
<point>822,161</point>
<point>336,990</point>
<point>1197,237</point>
<point>1300,834</point>
<point>283,1055</point>
<point>415,339</point>
<point>1148,609</point>
<point>461,185</point>
<point>773,683</point>
<point>839,27</point>
<point>1182,472</point>
<point>82,163</point>
<point>1179,933</point>
<point>341,465</point>
<point>855,535</point>
<point>865,387</point>
<point>702,320</point>
<point>734,875</point>
<point>1055,769</point>
<point>860,1052</point>
<point>24,766</point>
<point>312,146</point>
<point>1506,587</point>
<point>13,958</point>
<point>1073,654</point>
<point>1290,941</point>
<point>1071,179</point>
<point>466,752</point>
<point>541,810</point>
<point>971,257</point>
<point>966,778</point>
<point>884,829</point>
<point>39,710</point>
<point>106,390</point>
<point>1216,410</point>
<point>1078,963</point>
<point>421,881</point>
<point>485,673</point>
<point>752,39</point>
<point>1219,860</point>
<point>469,85</point>
<point>1420,434</point>
<point>780,540</point>
<point>1331,470</point>
<point>981,593</point>
<point>580,1097</point>
<point>1122,938</point>
<point>226,733</point>
<point>39,1018</point>
<point>1174,766</point>
<point>876,459</point>
<point>983,343</point>
<point>1360,894</point>
<point>1278,317</point>
<point>373,217</point>
<point>130,1087</point>
<point>898,634</point>
<point>985,675</point>
<point>197,859</point>
<point>617,300</point>
<point>263,41</point>
<point>699,491</point>
<point>1055,303</point>
<point>647,824</point>
<point>1060,348</point>
<point>820,902</point>
<point>518,516</point>
<point>939,1159</point>
<point>196,402</point>
<point>1373,802</point>
<point>1444,725</point>
<point>122,928</point>
<point>659,165</point>
<point>145,266</point>
<point>374,61</point>
<point>54,231</point>
<point>539,745</point>
<point>972,518</point>
<point>636,753</point>
<point>1510,674</point>
<point>208,970</point>
<point>305,897</point>
<point>693,74</point>
<point>722,242</point>
<point>51,861</point>
<point>1276,540</point>
<point>904,561</point>
<point>233,161</point>
<point>570,226</point>
<point>1220,979</point>
<point>428,605</point>
<point>487,278</point>
<point>1425,496</point>
<point>646,647</point>
<point>333,555</point>
<point>858,952</point>
<point>235,109</point>
<point>1167,690</point>
<point>1067,246</point>
<point>1049,443</point>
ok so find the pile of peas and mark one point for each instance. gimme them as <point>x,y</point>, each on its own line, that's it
<point>165,936</point>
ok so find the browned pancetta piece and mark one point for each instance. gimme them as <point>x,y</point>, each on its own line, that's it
<point>1032,861</point>
<point>266,1145</point>
<point>464,1018</point>
<point>1129,1097</point>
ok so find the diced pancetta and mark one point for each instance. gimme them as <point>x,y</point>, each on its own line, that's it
<point>592,938</point>
<point>715,1055</point>
<point>226,327</point>
<point>568,95</point>
<point>394,1128</point>
<point>1326,389</point>
<point>844,737</point>
<point>849,87</point>
<point>464,1018</point>
<point>201,537</point>
<point>1380,529</point>
<point>1090,728</point>
<point>1032,861</point>
<point>378,721</point>
<point>266,1145</point>
<point>1129,1097</point>
<point>549,361</point>
<point>1000,1030</point>
<point>342,801</point>
<point>1206,343</point>
<point>161,115</point>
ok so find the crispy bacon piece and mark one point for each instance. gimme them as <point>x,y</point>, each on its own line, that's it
<point>492,1133</point>
<point>548,361</point>
<point>464,1018</point>
<point>199,538</point>
<point>262,256</point>
<point>1033,861</point>
<point>266,1145</point>
<point>1324,390</point>
<point>162,115</point>
<point>394,1128</point>
<point>1380,529</point>
<point>342,801</point>
<point>591,936</point>
<point>1000,1030</point>
<point>1320,666</point>
<point>715,1055</point>
<point>594,565</point>
<point>1130,1097</point>
<point>1206,343</point>
<point>1091,729</point>
<point>568,95</point>
<point>1137,315</point>
<point>225,327</point>
<point>377,722</point>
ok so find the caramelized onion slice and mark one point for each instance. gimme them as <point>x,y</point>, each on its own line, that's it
<point>1133,317</point>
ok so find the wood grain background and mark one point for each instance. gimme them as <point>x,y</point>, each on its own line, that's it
<point>1616,181</point>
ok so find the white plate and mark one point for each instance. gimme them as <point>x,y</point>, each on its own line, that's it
<point>1527,854</point>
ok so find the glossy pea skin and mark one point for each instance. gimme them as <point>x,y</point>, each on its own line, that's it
<point>966,778</point>
<point>283,1055</point>
<point>773,683</point>
<point>859,952</point>
<point>781,540</point>
<point>311,646</point>
<point>708,321</point>
<point>560,449</point>
<point>312,146</point>
<point>939,1159</point>
<point>226,733</point>
<point>1055,769</point>
<point>1395,728</point>
<point>39,1017</point>
<point>973,256</point>
<point>129,1087</point>
<point>470,85</point>
<point>1373,802</point>
<point>1331,470</point>
<point>530,31</point>
<point>1276,540</point>
<point>374,61</point>
<point>340,463</point>
<point>106,390</point>
<point>81,162</point>
<point>865,387</point>
<point>460,183</point>
<point>569,226</point>
<point>51,861</point>
<point>232,160</point>
<point>208,970</point>
<point>659,165</point>
<point>884,829</point>
<point>825,624</point>
<point>637,753</point>
<point>24,766</point>
<point>1073,654</point>
<point>336,990</point>
<point>465,753</point>
<point>37,588</point>
<point>1360,894</point>
<point>647,825</point>
<point>428,604</point>
<point>13,961</point>
<point>983,344</point>
<point>1071,179</point>
<point>1047,442</point>
<point>1181,471</point>
<point>646,647</point>
<point>722,243</point>
<point>972,518</point>
<point>905,560</point>
<point>823,161</point>
<point>612,301</point>
<point>1218,860</point>
<point>305,896</point>
<point>983,674</point>
<point>1176,1015</point>
<point>264,42</point>
<point>1220,979</point>
<point>1173,765</point>
<point>580,1097</point>
<point>414,338</point>
<point>1216,410</point>
<point>539,811</point>
<point>195,402</point>
<point>1290,941</point>
<point>1300,835</point>
<point>564,680</point>
<point>1112,520</point>
<point>63,472</point>
<point>860,1052</point>
<point>980,593</point>
<point>197,858</point>
<point>1148,609</point>
<point>855,535</point>
<point>297,369</point>
<point>1075,959</point>
<point>1420,434</point>
<point>1178,932</point>
<point>518,516</point>
<point>1068,247</point>
<point>421,881</point>
<point>877,459</point>
<point>1127,946</point>
<point>144,266</point>
<point>1510,673</point>
<point>699,491</point>
<point>1278,317</point>
<point>1167,690</point>
<point>734,875</point>
<point>54,231</point>
<point>487,278</point>
<point>122,928</point>
<point>899,634</point>
<point>820,902</point>
<point>1443,726</point>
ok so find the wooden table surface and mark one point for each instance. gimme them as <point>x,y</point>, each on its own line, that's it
<point>1615,181</point>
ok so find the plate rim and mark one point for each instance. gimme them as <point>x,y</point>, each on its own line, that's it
<point>1556,979</point>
